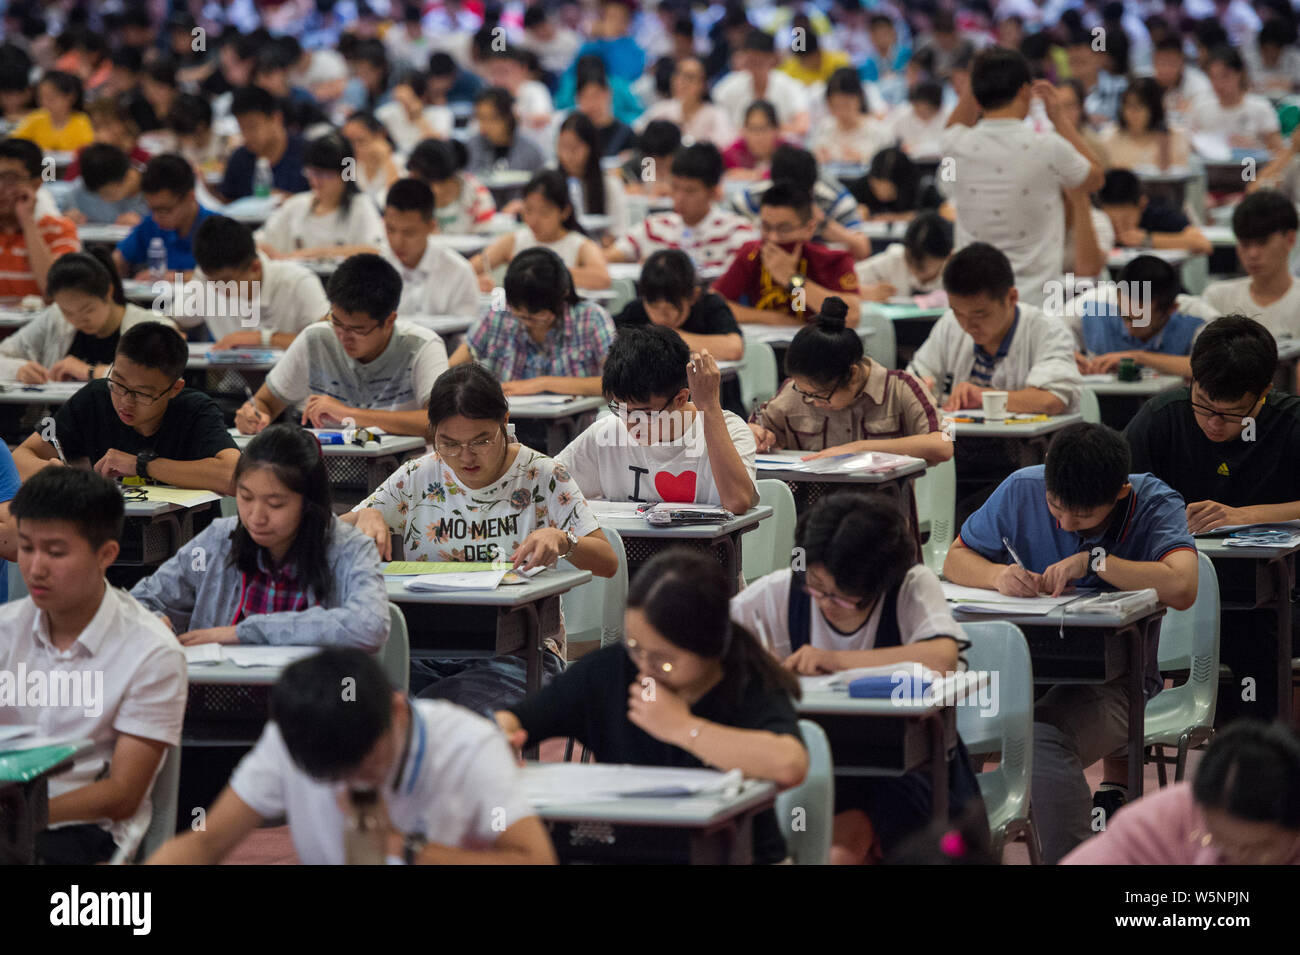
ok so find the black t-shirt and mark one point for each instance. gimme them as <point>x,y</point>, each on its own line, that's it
<point>1159,216</point>
<point>1167,442</point>
<point>192,427</point>
<point>589,702</point>
<point>709,316</point>
<point>94,351</point>
<point>614,138</point>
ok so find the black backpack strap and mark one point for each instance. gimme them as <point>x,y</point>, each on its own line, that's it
<point>798,612</point>
<point>887,634</point>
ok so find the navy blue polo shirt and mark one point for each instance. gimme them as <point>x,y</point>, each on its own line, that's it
<point>1104,332</point>
<point>286,175</point>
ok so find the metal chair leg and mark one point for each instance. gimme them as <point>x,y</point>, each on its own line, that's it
<point>1180,767</point>
<point>1160,766</point>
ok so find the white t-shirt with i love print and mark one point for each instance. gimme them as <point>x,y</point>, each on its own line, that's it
<point>609,466</point>
<point>440,519</point>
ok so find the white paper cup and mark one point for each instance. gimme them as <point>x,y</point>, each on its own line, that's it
<point>995,405</point>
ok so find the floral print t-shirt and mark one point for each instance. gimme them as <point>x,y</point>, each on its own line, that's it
<point>441,520</point>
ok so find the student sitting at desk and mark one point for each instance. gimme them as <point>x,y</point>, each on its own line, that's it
<point>669,438</point>
<point>1265,225</point>
<point>174,217</point>
<point>482,496</point>
<point>499,142</point>
<point>442,779</point>
<point>988,339</point>
<point>911,267</point>
<point>462,203</point>
<point>839,400</point>
<point>284,570</point>
<point>140,421</point>
<point>75,338</point>
<point>61,124</point>
<point>1140,223</point>
<point>549,223</point>
<point>720,700</point>
<point>671,297</point>
<point>784,278</point>
<point>545,338</point>
<point>288,296</point>
<point>108,191</point>
<point>862,601</point>
<point>74,623</point>
<point>365,363</point>
<point>435,279</point>
<point>1110,323</point>
<point>1197,439</point>
<point>705,231</point>
<point>332,219</point>
<point>30,238</point>
<point>578,154</point>
<point>1040,532</point>
<point>1242,808</point>
<point>262,126</point>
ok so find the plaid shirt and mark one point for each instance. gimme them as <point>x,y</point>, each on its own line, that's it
<point>276,591</point>
<point>574,348</point>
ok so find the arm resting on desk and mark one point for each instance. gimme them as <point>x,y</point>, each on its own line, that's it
<point>524,843</point>
<point>735,486</point>
<point>414,423</point>
<point>228,821</point>
<point>745,315</point>
<point>209,474</point>
<point>1034,401</point>
<point>1174,576</point>
<point>933,448</point>
<point>593,553</point>
<point>32,455</point>
<point>759,754</point>
<point>937,653</point>
<point>1180,365</point>
<point>722,347</point>
<point>131,771</point>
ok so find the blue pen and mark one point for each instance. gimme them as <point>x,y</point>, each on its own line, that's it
<point>1014,556</point>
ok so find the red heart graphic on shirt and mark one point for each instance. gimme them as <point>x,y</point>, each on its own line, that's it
<point>676,487</point>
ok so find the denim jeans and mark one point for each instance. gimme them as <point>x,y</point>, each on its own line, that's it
<point>483,685</point>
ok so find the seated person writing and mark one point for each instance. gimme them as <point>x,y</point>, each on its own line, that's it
<point>174,217</point>
<point>435,280</point>
<point>1143,224</point>
<point>108,191</point>
<point>671,297</point>
<point>911,267</point>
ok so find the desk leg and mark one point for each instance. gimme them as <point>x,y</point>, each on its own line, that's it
<point>555,436</point>
<point>378,470</point>
<point>1282,586</point>
<point>938,767</point>
<point>1137,706</point>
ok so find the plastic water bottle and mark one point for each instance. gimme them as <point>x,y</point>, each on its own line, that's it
<point>157,258</point>
<point>575,195</point>
<point>262,179</point>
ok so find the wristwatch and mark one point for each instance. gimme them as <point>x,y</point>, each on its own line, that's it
<point>796,282</point>
<point>573,543</point>
<point>142,462</point>
<point>266,337</point>
<point>411,846</point>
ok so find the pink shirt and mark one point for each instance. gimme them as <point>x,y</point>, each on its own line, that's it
<point>1163,828</point>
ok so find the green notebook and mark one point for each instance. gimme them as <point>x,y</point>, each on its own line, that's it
<point>24,765</point>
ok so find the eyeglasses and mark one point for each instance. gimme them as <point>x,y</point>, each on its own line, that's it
<point>454,449</point>
<point>133,492</point>
<point>623,411</point>
<point>814,397</point>
<point>1201,411</point>
<point>842,602</point>
<point>652,661</point>
<point>783,229</point>
<point>341,329</point>
<point>142,398</point>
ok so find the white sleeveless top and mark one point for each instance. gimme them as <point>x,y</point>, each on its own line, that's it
<point>566,248</point>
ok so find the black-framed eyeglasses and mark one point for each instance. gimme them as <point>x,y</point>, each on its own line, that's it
<point>622,410</point>
<point>843,602</point>
<point>1203,411</point>
<point>133,492</point>
<point>454,449</point>
<point>341,329</point>
<point>142,398</point>
<point>815,397</point>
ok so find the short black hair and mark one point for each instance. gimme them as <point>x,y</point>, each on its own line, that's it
<point>537,280</point>
<point>1234,356</point>
<point>88,501</point>
<point>365,283</point>
<point>795,165</point>
<point>411,195</point>
<point>189,114</point>
<point>668,276</point>
<point>103,164</point>
<point>661,137</point>
<point>700,161</point>
<point>169,172</point>
<point>436,160</point>
<point>329,732</point>
<point>1227,56</point>
<point>68,84</point>
<point>1154,273</point>
<point>221,243</point>
<point>1172,43</point>
<point>1263,213</point>
<point>1251,771</point>
<point>862,540</point>
<point>155,345</point>
<point>470,391</point>
<point>979,268</point>
<point>926,91</point>
<point>788,195</point>
<point>441,64</point>
<point>846,82</point>
<point>26,152</point>
<point>253,99</point>
<point>503,102</point>
<point>645,363</point>
<point>928,236</point>
<point>759,41</point>
<point>1086,466</point>
<point>997,76</point>
<point>1121,187</point>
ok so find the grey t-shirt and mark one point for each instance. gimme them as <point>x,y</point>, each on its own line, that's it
<point>101,211</point>
<point>400,379</point>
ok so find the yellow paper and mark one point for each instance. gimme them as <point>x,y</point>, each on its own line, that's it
<point>411,568</point>
<point>177,495</point>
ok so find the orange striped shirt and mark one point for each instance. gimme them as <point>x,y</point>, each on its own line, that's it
<point>16,278</point>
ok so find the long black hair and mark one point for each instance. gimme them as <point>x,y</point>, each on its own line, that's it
<point>91,272</point>
<point>1252,771</point>
<point>328,153</point>
<point>294,456</point>
<point>593,176</point>
<point>683,594</point>
<point>552,186</point>
<point>537,280</point>
<point>825,351</point>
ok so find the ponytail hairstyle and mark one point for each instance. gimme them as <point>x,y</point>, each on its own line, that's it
<point>294,456</point>
<point>370,121</point>
<point>826,351</point>
<point>683,594</point>
<point>593,176</point>
<point>552,186</point>
<point>928,236</point>
<point>91,272</point>
<point>861,539</point>
<point>328,153</point>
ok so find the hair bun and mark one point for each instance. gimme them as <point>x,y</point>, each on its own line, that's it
<point>833,314</point>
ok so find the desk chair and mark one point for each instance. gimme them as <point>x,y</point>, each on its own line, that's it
<point>395,657</point>
<point>1089,407</point>
<point>814,802</point>
<point>937,486</point>
<point>769,546</point>
<point>757,374</point>
<point>594,611</point>
<point>881,344</point>
<point>1183,716</point>
<point>142,842</point>
<point>999,647</point>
